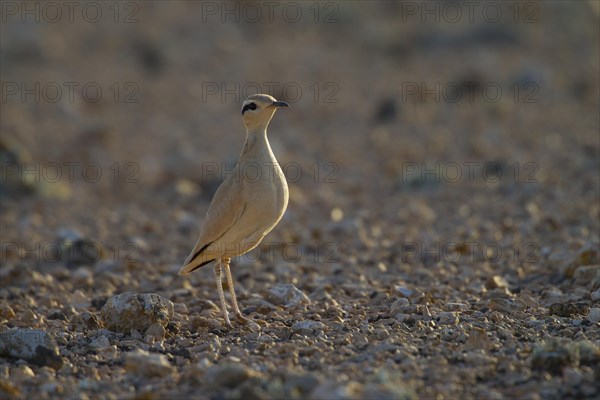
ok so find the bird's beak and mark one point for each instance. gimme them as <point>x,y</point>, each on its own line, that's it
<point>279,104</point>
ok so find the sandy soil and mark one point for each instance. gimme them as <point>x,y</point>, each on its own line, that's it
<point>443,227</point>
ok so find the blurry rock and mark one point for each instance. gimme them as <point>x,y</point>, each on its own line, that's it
<point>80,300</point>
<point>9,388</point>
<point>585,274</point>
<point>287,295</point>
<point>496,281</point>
<point>386,111</point>
<point>594,315</point>
<point>506,306</point>
<point>456,307</point>
<point>478,339</point>
<point>34,346</point>
<point>85,321</point>
<point>568,309</point>
<point>6,312</point>
<point>228,375</point>
<point>82,277</point>
<point>447,318</point>
<point>21,373</point>
<point>308,327</point>
<point>78,250</point>
<point>595,295</point>
<point>337,391</point>
<point>553,357</point>
<point>131,310</point>
<point>155,332</point>
<point>398,306</point>
<point>403,291</point>
<point>143,364</point>
<point>100,342</point>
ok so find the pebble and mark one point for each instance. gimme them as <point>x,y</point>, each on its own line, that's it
<point>447,318</point>
<point>131,310</point>
<point>286,295</point>
<point>32,345</point>
<point>506,306</point>
<point>143,364</point>
<point>100,342</point>
<point>308,327</point>
<point>495,282</point>
<point>398,306</point>
<point>85,321</point>
<point>227,375</point>
<point>403,291</point>
<point>568,309</point>
<point>594,315</point>
<point>595,295</point>
<point>456,307</point>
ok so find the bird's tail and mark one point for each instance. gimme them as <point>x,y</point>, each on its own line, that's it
<point>192,266</point>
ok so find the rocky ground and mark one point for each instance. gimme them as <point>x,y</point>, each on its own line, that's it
<point>442,235</point>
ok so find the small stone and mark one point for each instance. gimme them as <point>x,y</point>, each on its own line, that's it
<point>506,306</point>
<point>21,373</point>
<point>595,295</point>
<point>82,277</point>
<point>568,309</point>
<point>100,342</point>
<point>32,345</point>
<point>228,375</point>
<point>398,306</point>
<point>79,300</point>
<point>495,282</point>
<point>456,307</point>
<point>403,291</point>
<point>143,364</point>
<point>447,318</point>
<point>308,327</point>
<point>6,311</point>
<point>155,332</point>
<point>287,295</point>
<point>131,310</point>
<point>84,322</point>
<point>594,315</point>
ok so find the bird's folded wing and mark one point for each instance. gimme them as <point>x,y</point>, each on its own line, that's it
<point>226,208</point>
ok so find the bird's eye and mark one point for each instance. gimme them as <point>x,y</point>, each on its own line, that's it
<point>251,106</point>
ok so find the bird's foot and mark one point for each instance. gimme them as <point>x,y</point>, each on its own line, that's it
<point>247,322</point>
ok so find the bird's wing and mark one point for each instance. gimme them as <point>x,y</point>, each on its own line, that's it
<point>226,207</point>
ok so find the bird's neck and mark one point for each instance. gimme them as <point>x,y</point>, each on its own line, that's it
<point>256,143</point>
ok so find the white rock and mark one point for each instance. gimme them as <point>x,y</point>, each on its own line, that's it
<point>287,295</point>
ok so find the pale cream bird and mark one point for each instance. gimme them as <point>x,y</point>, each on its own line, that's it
<point>248,204</point>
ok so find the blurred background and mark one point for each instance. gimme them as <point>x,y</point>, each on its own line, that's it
<point>411,122</point>
<point>147,94</point>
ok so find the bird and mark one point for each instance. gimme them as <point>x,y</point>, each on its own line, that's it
<point>247,205</point>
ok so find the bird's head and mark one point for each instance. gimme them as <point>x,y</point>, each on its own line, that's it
<point>258,110</point>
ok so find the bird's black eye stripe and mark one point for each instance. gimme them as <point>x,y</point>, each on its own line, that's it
<point>251,106</point>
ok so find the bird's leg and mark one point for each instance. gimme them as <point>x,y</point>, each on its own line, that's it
<point>236,309</point>
<point>221,295</point>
